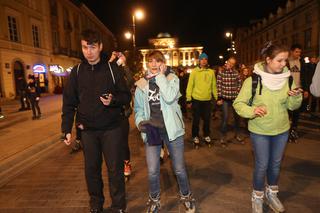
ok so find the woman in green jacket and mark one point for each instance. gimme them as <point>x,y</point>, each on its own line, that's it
<point>268,121</point>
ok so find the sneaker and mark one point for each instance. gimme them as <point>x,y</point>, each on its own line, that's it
<point>223,143</point>
<point>272,199</point>
<point>127,168</point>
<point>196,140</point>
<point>239,139</point>
<point>257,201</point>
<point>207,139</point>
<point>114,210</point>
<point>1,116</point>
<point>153,205</point>
<point>96,210</point>
<point>188,202</point>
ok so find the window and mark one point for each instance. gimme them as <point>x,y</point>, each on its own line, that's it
<point>284,41</point>
<point>284,29</point>
<point>307,39</point>
<point>35,36</point>
<point>13,29</point>
<point>294,24</point>
<point>308,18</point>
<point>275,34</point>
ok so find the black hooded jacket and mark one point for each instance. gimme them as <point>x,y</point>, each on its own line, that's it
<point>82,94</point>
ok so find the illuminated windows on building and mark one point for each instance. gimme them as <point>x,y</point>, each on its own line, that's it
<point>13,29</point>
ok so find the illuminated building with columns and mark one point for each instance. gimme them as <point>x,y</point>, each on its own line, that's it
<point>176,55</point>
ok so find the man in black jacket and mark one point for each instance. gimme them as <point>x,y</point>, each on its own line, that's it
<point>97,91</point>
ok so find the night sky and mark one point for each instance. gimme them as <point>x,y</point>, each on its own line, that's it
<point>193,23</point>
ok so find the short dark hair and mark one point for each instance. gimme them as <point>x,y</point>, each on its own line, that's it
<point>91,36</point>
<point>295,46</point>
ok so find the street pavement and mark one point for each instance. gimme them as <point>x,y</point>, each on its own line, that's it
<point>220,178</point>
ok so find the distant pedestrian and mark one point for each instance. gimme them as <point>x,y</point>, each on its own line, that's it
<point>228,85</point>
<point>22,88</point>
<point>295,64</point>
<point>200,91</point>
<point>183,79</point>
<point>33,91</point>
<point>120,60</point>
<point>158,116</point>
<point>97,92</point>
<point>268,122</point>
<point>315,85</point>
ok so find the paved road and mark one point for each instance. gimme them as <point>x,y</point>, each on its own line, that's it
<point>220,178</point>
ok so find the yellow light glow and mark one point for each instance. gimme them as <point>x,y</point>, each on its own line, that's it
<point>127,35</point>
<point>139,14</point>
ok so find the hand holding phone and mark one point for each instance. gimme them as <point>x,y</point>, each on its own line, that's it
<point>106,99</point>
<point>295,91</point>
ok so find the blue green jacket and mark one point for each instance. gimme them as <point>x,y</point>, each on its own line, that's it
<point>169,95</point>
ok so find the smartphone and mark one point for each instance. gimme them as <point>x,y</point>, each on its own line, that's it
<point>105,95</point>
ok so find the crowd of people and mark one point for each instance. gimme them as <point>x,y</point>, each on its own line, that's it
<point>98,97</point>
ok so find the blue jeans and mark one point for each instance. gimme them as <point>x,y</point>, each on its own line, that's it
<point>268,152</point>
<point>176,150</point>
<point>225,115</point>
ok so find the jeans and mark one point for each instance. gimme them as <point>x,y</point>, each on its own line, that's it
<point>224,122</point>
<point>107,144</point>
<point>268,152</point>
<point>176,150</point>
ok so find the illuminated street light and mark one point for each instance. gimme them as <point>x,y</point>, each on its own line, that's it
<point>128,35</point>
<point>232,43</point>
<point>221,57</point>
<point>138,14</point>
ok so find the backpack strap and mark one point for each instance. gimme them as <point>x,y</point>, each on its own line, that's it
<point>113,79</point>
<point>78,67</point>
<point>254,85</point>
<point>290,81</point>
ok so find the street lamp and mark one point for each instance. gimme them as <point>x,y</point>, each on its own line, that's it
<point>128,35</point>
<point>138,14</point>
<point>232,43</point>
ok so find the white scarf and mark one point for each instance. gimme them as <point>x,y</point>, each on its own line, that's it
<point>272,81</point>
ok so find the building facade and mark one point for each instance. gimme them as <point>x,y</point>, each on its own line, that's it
<point>184,55</point>
<point>42,37</point>
<point>298,22</point>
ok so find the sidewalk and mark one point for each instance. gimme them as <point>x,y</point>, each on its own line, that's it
<point>23,140</point>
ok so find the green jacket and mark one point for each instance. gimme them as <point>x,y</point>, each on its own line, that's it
<point>277,102</point>
<point>202,85</point>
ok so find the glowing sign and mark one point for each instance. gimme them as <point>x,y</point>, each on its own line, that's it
<point>57,70</point>
<point>39,68</point>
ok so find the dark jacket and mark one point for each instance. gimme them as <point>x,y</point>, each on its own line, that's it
<point>83,91</point>
<point>33,88</point>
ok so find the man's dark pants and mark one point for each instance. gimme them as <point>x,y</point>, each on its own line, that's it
<point>109,144</point>
<point>201,109</point>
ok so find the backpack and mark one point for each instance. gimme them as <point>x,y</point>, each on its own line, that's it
<point>257,78</point>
